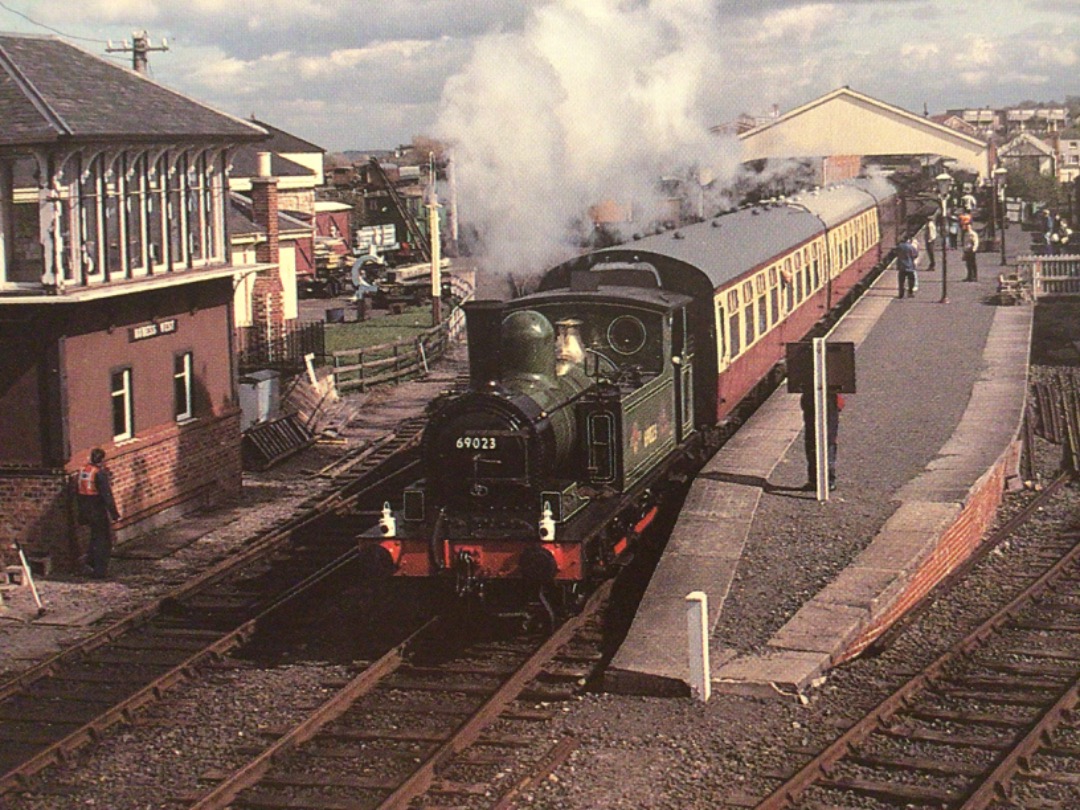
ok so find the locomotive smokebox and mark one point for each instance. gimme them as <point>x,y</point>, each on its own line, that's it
<point>483,330</point>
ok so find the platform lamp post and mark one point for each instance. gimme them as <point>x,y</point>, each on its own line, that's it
<point>944,186</point>
<point>999,199</point>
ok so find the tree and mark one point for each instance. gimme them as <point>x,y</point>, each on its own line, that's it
<point>1043,189</point>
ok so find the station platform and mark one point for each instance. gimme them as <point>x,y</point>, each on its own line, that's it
<point>927,448</point>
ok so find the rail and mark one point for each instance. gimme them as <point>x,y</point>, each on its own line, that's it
<point>1050,275</point>
<point>391,362</point>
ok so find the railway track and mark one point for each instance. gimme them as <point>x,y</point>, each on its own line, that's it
<point>68,701</point>
<point>993,723</point>
<point>395,731</point>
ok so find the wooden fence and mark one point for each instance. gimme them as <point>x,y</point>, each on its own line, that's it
<point>1050,275</point>
<point>359,369</point>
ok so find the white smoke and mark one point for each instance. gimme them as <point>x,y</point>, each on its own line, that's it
<point>594,100</point>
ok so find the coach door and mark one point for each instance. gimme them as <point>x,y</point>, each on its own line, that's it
<point>682,357</point>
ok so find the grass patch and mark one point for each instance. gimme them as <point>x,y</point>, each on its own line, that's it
<point>376,331</point>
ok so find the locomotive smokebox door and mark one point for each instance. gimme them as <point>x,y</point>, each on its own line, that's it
<point>839,365</point>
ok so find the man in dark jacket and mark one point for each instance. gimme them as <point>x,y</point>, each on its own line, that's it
<point>97,509</point>
<point>907,252</point>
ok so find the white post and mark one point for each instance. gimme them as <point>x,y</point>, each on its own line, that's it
<point>697,623</point>
<point>821,433</point>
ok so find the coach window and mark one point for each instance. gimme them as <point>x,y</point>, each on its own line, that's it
<point>748,312</point>
<point>123,417</point>
<point>734,336</point>
<point>721,331</point>
<point>789,286</point>
<point>182,386</point>
<point>762,304</point>
<point>774,295</point>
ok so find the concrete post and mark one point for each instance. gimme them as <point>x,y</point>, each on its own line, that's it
<point>697,628</point>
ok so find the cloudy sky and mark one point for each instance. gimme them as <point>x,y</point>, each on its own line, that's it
<point>571,101</point>
<point>361,74</point>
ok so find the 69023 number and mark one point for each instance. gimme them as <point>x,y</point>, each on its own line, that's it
<point>476,443</point>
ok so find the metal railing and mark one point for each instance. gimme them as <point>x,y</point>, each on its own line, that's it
<point>283,350</point>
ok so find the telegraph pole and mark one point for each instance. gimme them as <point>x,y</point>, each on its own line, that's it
<point>139,48</point>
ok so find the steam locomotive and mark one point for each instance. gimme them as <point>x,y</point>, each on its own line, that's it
<point>588,396</point>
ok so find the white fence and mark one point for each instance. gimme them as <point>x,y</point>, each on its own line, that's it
<point>1050,275</point>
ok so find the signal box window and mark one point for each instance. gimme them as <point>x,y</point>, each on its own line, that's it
<point>123,416</point>
<point>182,386</point>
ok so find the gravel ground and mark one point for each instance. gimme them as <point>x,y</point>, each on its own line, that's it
<point>633,752</point>
<point>655,753</point>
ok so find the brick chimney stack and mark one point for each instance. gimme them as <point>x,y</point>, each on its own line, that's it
<point>268,307</point>
<point>264,204</point>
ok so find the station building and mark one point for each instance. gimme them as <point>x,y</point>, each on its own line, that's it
<point>844,130</point>
<point>116,293</point>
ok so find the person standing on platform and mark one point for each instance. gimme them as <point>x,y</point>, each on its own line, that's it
<point>1049,227</point>
<point>970,244</point>
<point>906,254</point>
<point>931,240</point>
<point>834,403</point>
<point>97,509</point>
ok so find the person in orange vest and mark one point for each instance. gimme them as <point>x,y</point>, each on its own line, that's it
<point>97,509</point>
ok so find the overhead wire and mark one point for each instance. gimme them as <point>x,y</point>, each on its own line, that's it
<point>31,20</point>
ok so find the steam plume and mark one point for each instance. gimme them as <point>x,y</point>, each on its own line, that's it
<point>594,100</point>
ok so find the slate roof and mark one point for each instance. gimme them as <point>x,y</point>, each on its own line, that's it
<point>242,223</point>
<point>282,141</point>
<point>245,162</point>
<point>51,90</point>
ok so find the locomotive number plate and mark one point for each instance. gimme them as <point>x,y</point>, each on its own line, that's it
<point>477,443</point>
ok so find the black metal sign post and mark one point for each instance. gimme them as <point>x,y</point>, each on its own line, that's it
<point>826,369</point>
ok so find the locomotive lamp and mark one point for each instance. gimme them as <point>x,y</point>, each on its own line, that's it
<point>387,523</point>
<point>944,186</point>
<point>547,524</point>
<point>999,204</point>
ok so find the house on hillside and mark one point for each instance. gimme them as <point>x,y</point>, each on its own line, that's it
<point>1025,151</point>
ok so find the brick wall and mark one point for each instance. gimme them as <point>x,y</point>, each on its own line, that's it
<point>954,546</point>
<point>186,466</point>
<point>35,512</point>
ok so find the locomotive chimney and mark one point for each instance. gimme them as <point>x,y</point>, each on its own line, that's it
<point>483,331</point>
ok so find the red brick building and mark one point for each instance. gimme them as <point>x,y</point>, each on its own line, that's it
<point>116,291</point>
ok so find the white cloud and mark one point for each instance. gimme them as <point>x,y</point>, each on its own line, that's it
<point>800,23</point>
<point>1062,54</point>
